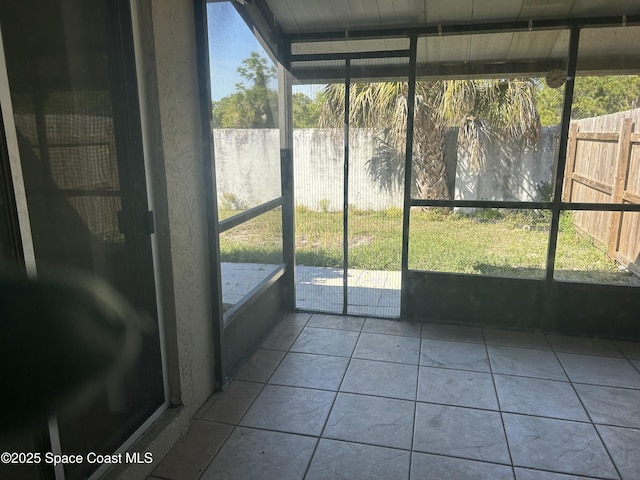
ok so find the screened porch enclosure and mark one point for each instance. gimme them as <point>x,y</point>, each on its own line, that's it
<point>422,174</point>
<point>348,203</point>
<point>393,238</point>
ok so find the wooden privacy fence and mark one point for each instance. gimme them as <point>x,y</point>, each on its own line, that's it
<point>603,166</point>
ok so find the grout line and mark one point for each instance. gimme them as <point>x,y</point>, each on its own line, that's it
<point>585,354</point>
<point>530,415</point>
<point>634,366</point>
<point>517,347</point>
<point>264,384</point>
<point>576,475</point>
<point>537,349</point>
<point>415,405</point>
<point>215,454</point>
<point>459,369</point>
<point>386,361</point>
<point>390,334</point>
<point>236,425</point>
<point>635,429</point>
<point>335,398</point>
<point>465,342</point>
<point>495,390</point>
<point>592,423</point>
<point>633,389</point>
<point>631,360</point>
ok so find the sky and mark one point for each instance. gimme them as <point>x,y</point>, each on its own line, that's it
<point>230,42</point>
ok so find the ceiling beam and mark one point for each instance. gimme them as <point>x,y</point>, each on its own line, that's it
<point>259,18</point>
<point>462,71</point>
<point>488,70</point>
<point>306,57</point>
<point>337,74</point>
<point>462,29</point>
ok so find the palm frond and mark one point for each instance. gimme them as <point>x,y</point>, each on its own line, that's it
<point>473,137</point>
<point>482,109</point>
<point>513,112</point>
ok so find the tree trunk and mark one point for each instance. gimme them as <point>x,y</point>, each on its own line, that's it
<point>429,168</point>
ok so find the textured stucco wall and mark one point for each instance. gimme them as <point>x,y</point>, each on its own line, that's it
<point>179,109</point>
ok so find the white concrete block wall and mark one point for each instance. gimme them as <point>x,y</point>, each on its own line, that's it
<point>248,169</point>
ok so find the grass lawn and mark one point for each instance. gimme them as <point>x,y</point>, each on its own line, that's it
<point>494,243</point>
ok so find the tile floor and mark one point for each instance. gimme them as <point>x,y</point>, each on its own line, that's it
<point>328,397</point>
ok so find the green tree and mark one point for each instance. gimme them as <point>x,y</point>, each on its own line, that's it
<point>306,111</point>
<point>230,112</point>
<point>253,103</point>
<point>482,109</point>
<point>593,96</point>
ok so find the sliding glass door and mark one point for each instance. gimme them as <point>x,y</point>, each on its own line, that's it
<point>72,87</point>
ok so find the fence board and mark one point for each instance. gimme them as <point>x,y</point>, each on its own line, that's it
<point>631,197</point>
<point>601,187</point>
<point>633,180</point>
<point>603,137</point>
<point>571,161</point>
<point>620,180</point>
<point>603,166</point>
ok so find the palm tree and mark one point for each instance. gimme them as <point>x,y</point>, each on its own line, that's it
<point>482,109</point>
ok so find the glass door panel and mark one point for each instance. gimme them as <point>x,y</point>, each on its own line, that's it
<point>76,116</point>
<point>34,439</point>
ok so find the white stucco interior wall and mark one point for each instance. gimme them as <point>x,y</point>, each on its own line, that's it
<point>175,51</point>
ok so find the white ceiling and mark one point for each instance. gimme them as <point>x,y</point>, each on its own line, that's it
<point>305,16</point>
<point>461,55</point>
